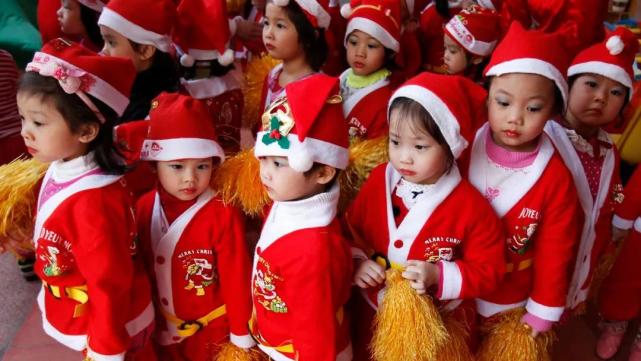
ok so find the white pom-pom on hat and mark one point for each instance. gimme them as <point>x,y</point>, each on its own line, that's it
<point>281,3</point>
<point>346,10</point>
<point>187,60</point>
<point>226,58</point>
<point>615,45</point>
<point>300,159</point>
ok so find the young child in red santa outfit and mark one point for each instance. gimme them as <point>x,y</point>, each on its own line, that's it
<point>302,263</point>
<point>470,37</point>
<point>371,39</point>
<point>95,297</point>
<point>517,168</point>
<point>600,87</point>
<point>139,30</point>
<point>432,21</point>
<point>194,245</point>
<point>620,295</point>
<point>78,20</point>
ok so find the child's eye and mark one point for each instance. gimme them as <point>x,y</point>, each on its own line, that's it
<point>501,102</point>
<point>420,147</point>
<point>351,42</point>
<point>591,83</point>
<point>533,109</point>
<point>37,123</point>
<point>176,166</point>
<point>203,166</point>
<point>372,46</point>
<point>617,92</point>
<point>278,164</point>
<point>281,26</point>
<point>393,141</point>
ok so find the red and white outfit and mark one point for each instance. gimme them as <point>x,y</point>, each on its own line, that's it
<point>432,25</point>
<point>365,109</point>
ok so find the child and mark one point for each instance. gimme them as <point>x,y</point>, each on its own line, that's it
<point>519,171</point>
<point>403,213</point>
<point>601,85</point>
<point>620,296</point>
<point>372,39</point>
<point>302,267</point>
<point>78,20</point>
<point>433,19</point>
<point>294,32</point>
<point>194,245</point>
<point>94,298</point>
<point>469,40</point>
<point>139,30</point>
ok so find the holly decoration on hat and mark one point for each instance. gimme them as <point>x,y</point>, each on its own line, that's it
<point>274,134</point>
<point>278,122</point>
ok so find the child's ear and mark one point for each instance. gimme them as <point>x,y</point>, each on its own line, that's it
<point>146,52</point>
<point>88,132</point>
<point>476,60</point>
<point>325,174</point>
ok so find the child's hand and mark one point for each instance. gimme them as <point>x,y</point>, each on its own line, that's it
<point>422,275</point>
<point>369,274</point>
<point>619,234</point>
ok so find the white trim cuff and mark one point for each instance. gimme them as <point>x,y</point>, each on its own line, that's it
<point>545,312</point>
<point>622,223</point>
<point>242,341</point>
<point>452,281</point>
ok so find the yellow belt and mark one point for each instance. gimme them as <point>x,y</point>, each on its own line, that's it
<point>525,264</point>
<point>76,293</point>
<point>386,263</point>
<point>190,327</point>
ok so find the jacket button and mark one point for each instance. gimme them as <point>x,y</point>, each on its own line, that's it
<point>398,243</point>
<point>160,259</point>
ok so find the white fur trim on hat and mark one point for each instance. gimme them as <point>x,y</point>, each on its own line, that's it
<point>313,7</point>
<point>346,10</point>
<point>95,5</point>
<point>607,70</point>
<point>302,155</point>
<point>187,60</point>
<point>615,45</point>
<point>373,29</point>
<point>133,31</point>
<point>200,54</point>
<point>488,4</point>
<point>533,66</point>
<point>462,35</point>
<point>281,3</point>
<point>180,148</point>
<point>440,112</point>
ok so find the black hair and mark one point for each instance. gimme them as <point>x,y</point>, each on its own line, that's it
<point>89,19</point>
<point>311,39</point>
<point>390,60</point>
<point>421,121</point>
<point>443,8</point>
<point>162,63</point>
<point>626,100</point>
<point>76,114</point>
<point>475,71</point>
<point>557,108</point>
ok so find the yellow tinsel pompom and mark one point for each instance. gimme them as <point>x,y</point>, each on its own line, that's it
<point>255,73</point>
<point>237,181</point>
<point>364,155</point>
<point>456,348</point>
<point>507,339</point>
<point>18,181</point>
<point>407,325</point>
<point>231,352</point>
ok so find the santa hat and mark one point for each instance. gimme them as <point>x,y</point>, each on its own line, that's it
<point>454,102</point>
<point>306,125</point>
<point>531,52</point>
<point>491,4</point>
<point>202,32</point>
<point>95,5</point>
<point>81,71</point>
<point>315,11</point>
<point>142,21</point>
<point>380,19</point>
<point>475,29</point>
<point>180,127</point>
<point>612,58</point>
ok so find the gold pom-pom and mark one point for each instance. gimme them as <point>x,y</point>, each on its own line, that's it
<point>18,181</point>
<point>255,73</point>
<point>231,352</point>
<point>603,268</point>
<point>407,325</point>
<point>237,181</point>
<point>364,155</point>
<point>507,339</point>
<point>456,348</point>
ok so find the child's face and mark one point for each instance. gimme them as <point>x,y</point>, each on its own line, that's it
<point>415,154</point>
<point>518,107</point>
<point>279,34</point>
<point>46,133</point>
<point>117,44</point>
<point>185,179</point>
<point>454,56</point>
<point>69,18</point>
<point>365,54</point>
<point>285,184</point>
<point>595,100</point>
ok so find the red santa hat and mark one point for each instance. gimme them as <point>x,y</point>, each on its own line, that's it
<point>381,19</point>
<point>315,11</point>
<point>142,21</point>
<point>531,52</point>
<point>95,5</point>
<point>475,29</point>
<point>202,32</point>
<point>454,102</point>
<point>612,58</point>
<point>180,127</point>
<point>81,71</point>
<point>306,125</point>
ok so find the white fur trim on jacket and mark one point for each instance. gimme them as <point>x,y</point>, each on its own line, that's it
<point>134,31</point>
<point>608,70</point>
<point>374,30</point>
<point>545,312</point>
<point>622,223</point>
<point>242,341</point>
<point>74,342</point>
<point>94,356</point>
<point>463,37</point>
<point>488,309</point>
<point>180,148</point>
<point>637,224</point>
<point>452,281</point>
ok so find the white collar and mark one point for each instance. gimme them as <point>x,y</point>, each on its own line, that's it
<point>322,205</point>
<point>411,193</point>
<point>63,171</point>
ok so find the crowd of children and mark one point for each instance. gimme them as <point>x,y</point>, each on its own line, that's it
<point>497,200</point>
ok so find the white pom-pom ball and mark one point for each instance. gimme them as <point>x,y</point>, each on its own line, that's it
<point>615,45</point>
<point>281,3</point>
<point>346,10</point>
<point>187,60</point>
<point>227,58</point>
<point>300,159</point>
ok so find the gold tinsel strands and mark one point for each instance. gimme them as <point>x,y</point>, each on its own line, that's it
<point>364,155</point>
<point>604,266</point>
<point>18,180</point>
<point>407,325</point>
<point>456,348</point>
<point>507,339</point>
<point>255,73</point>
<point>231,352</point>
<point>237,181</point>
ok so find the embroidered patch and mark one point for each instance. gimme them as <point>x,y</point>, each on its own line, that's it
<point>440,248</point>
<point>199,272</point>
<point>520,242</point>
<point>53,262</point>
<point>265,288</point>
<point>278,122</point>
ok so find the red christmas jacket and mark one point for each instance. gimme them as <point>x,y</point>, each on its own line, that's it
<point>468,246</point>
<point>597,214</point>
<point>630,209</point>
<point>432,24</point>
<point>199,263</point>
<point>85,238</point>
<point>301,280</point>
<point>541,215</point>
<point>366,108</point>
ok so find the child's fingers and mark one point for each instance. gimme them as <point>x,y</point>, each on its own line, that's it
<point>369,280</point>
<point>378,270</point>
<point>418,286</point>
<point>410,275</point>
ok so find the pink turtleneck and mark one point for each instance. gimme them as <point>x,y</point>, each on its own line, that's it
<point>507,158</point>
